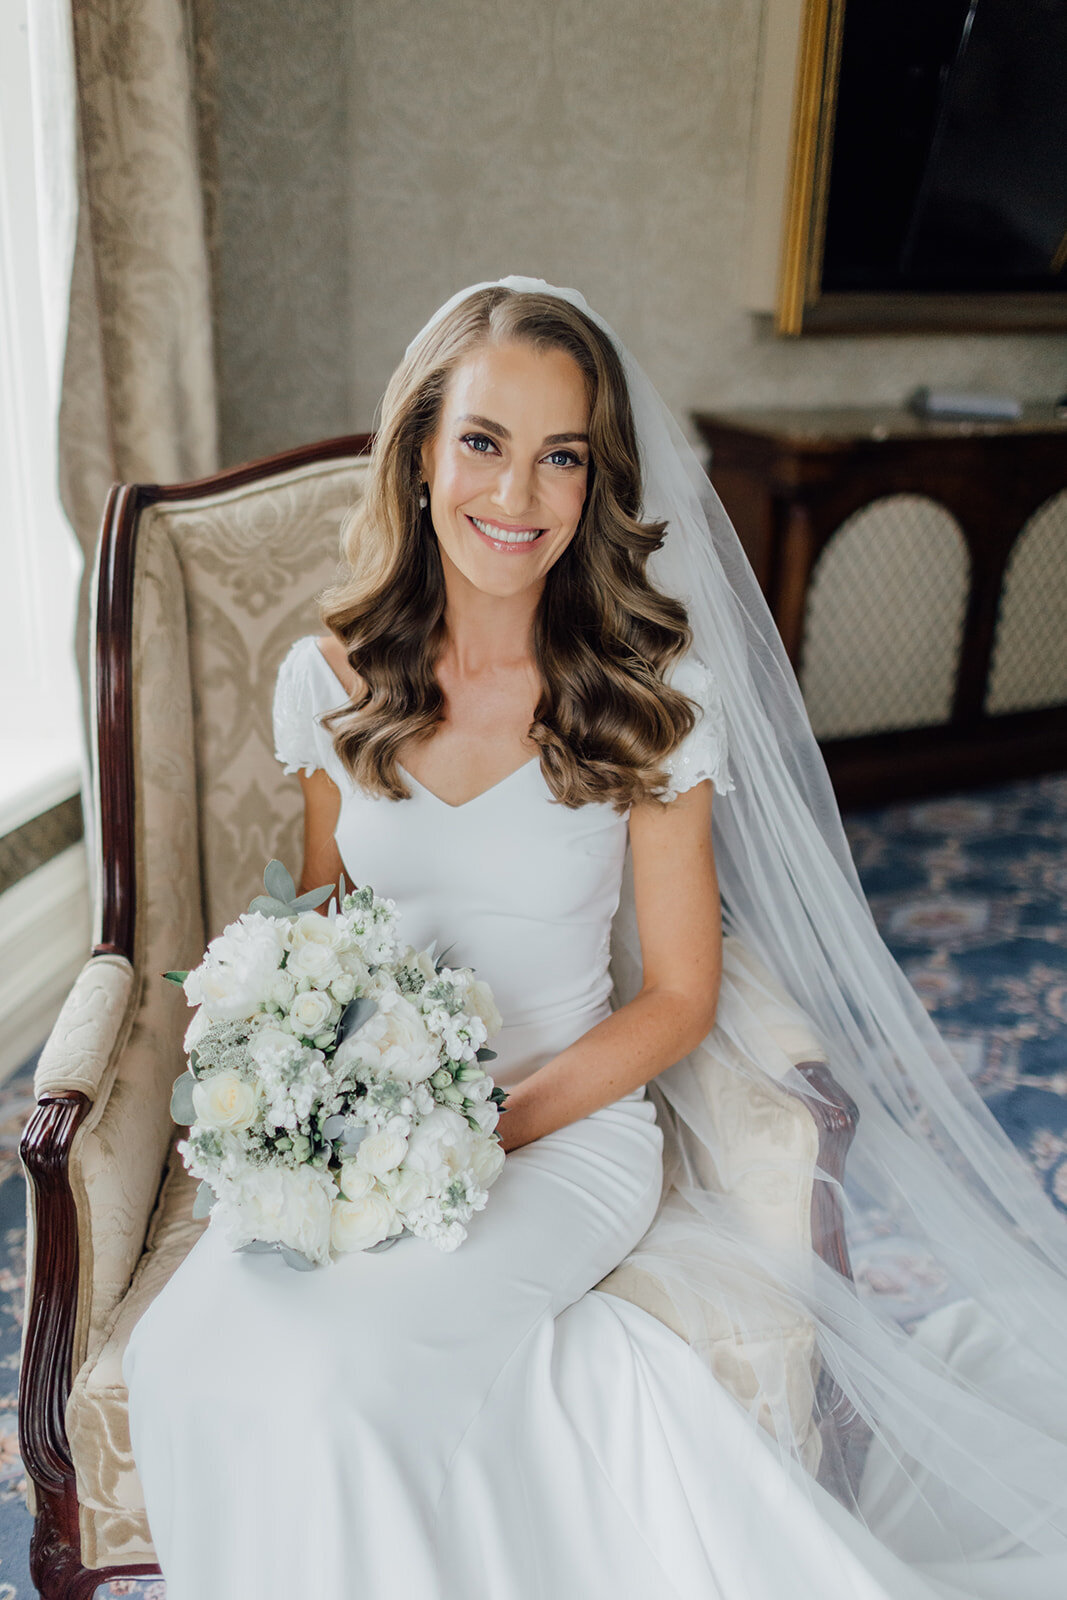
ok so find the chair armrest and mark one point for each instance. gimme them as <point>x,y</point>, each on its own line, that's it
<point>84,1043</point>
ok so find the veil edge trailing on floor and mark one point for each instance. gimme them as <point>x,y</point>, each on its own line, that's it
<point>964,1414</point>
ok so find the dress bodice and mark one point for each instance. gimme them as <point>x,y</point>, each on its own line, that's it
<point>512,883</point>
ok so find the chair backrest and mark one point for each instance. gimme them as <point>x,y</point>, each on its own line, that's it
<point>200,590</point>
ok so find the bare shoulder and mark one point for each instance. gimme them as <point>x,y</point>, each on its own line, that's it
<point>336,659</point>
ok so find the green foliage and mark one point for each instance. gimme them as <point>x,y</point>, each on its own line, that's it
<point>281,898</point>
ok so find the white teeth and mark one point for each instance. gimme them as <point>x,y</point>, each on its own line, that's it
<point>502,535</point>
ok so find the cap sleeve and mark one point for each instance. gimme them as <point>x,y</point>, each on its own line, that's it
<point>704,752</point>
<point>298,735</point>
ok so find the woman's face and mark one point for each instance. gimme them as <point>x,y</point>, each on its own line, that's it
<point>509,465</point>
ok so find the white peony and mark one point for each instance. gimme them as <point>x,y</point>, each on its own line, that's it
<point>359,1224</point>
<point>394,1042</point>
<point>354,1180</point>
<point>487,1161</point>
<point>440,1145</point>
<point>381,1152</point>
<point>406,1188</point>
<point>486,1115</point>
<point>480,1001</point>
<point>310,1012</point>
<point>225,1100</point>
<point>238,970</point>
<point>280,1204</point>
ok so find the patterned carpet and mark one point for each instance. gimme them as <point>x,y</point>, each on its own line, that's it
<point>969,892</point>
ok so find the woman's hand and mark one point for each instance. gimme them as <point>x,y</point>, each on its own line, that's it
<point>676,896</point>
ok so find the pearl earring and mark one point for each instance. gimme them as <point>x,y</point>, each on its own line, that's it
<point>424,498</point>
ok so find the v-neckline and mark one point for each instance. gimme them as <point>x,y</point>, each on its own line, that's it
<point>447,804</point>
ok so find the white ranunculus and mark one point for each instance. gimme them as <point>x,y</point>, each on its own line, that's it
<point>487,1161</point>
<point>236,974</point>
<point>381,1152</point>
<point>440,1145</point>
<point>480,1001</point>
<point>354,1180</point>
<point>343,988</point>
<point>486,1115</point>
<point>310,1012</point>
<point>224,1100</point>
<point>284,1204</point>
<point>359,1224</point>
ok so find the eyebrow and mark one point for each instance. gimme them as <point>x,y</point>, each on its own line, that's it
<point>505,433</point>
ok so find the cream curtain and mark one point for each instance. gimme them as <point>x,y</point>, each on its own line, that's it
<point>123,91</point>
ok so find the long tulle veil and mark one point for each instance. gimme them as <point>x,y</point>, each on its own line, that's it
<point>959,1482</point>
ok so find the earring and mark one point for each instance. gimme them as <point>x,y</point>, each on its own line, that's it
<point>424,498</point>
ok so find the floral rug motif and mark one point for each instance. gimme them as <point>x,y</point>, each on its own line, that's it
<point>970,894</point>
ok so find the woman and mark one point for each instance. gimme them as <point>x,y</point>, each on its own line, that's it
<point>546,631</point>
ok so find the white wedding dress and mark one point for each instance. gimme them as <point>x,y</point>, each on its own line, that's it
<point>481,1425</point>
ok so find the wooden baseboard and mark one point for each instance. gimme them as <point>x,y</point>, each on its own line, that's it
<point>45,939</point>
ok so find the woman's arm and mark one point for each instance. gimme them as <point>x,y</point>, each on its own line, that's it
<point>676,895</point>
<point>322,806</point>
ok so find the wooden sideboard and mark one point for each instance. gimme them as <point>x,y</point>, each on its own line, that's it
<point>795,481</point>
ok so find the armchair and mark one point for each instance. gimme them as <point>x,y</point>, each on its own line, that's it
<point>199,590</point>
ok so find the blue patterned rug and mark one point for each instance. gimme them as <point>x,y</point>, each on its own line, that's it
<point>970,894</point>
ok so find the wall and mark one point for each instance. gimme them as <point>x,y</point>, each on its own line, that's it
<point>379,154</point>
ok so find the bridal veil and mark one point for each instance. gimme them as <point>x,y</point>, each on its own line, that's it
<point>958,1485</point>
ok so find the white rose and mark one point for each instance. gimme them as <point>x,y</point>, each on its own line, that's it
<point>343,988</point>
<point>381,1152</point>
<point>310,1012</point>
<point>224,1100</point>
<point>440,1145</point>
<point>354,1180</point>
<point>312,952</point>
<point>237,972</point>
<point>282,990</point>
<point>486,1115</point>
<point>487,1161</point>
<point>480,1001</point>
<point>359,1224</point>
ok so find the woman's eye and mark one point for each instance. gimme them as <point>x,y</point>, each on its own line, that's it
<point>571,460</point>
<point>472,439</point>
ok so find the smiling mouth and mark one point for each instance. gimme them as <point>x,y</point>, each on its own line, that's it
<point>505,538</point>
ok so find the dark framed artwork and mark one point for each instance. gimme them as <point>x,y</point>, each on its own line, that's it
<point>928,172</point>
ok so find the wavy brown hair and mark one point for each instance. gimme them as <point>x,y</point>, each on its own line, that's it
<point>603,636</point>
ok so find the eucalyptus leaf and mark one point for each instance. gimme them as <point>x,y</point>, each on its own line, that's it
<point>278,882</point>
<point>205,1199</point>
<point>175,977</point>
<point>441,959</point>
<point>258,1247</point>
<point>333,1127</point>
<point>351,1139</point>
<point>181,1099</point>
<point>312,898</point>
<point>383,1244</point>
<point>297,1259</point>
<point>485,1054</point>
<point>354,1015</point>
<point>269,907</point>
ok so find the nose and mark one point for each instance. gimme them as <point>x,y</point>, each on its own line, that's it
<point>513,491</point>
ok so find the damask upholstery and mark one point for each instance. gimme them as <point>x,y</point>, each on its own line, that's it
<point>223,584</point>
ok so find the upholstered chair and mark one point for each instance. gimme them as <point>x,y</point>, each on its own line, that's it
<point>199,591</point>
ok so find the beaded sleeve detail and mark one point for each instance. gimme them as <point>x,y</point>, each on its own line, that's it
<point>297,734</point>
<point>704,752</point>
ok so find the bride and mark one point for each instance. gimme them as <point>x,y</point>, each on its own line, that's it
<point>547,658</point>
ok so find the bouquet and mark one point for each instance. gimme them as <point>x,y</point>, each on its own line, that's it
<point>336,1092</point>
